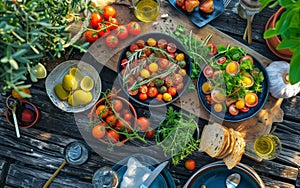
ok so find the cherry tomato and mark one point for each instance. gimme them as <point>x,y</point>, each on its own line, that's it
<point>179,86</point>
<point>152,92</point>
<point>190,164</point>
<point>109,11</point>
<point>245,109</point>
<point>127,116</point>
<point>151,42</point>
<point>117,105</point>
<point>95,19</point>
<point>172,55</point>
<point>182,72</point>
<point>208,71</point>
<point>233,110</point>
<point>221,60</point>
<point>120,124</point>
<point>98,131</point>
<point>134,28</point>
<point>133,47</point>
<point>112,41</point>
<point>147,51</point>
<point>162,43</point>
<point>167,97</point>
<point>163,63</point>
<point>209,99</point>
<point>102,111</point>
<point>180,57</point>
<point>133,93</point>
<point>112,135</point>
<point>177,79</point>
<point>159,97</point>
<point>140,43</point>
<point>213,49</point>
<point>171,48</point>
<point>143,123</point>
<point>150,134</point>
<point>143,96</point>
<point>111,120</point>
<point>122,32</point>
<point>180,3</point>
<point>112,23</point>
<point>207,6</point>
<point>246,57</point>
<point>124,63</point>
<point>91,36</point>
<point>172,91</point>
<point>103,30</point>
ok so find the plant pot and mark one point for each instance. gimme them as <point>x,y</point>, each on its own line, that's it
<point>25,110</point>
<point>273,42</point>
<point>93,117</point>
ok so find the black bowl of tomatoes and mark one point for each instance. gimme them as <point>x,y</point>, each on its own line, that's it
<point>234,87</point>
<point>154,70</point>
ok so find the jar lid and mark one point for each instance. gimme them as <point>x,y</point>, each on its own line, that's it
<point>76,153</point>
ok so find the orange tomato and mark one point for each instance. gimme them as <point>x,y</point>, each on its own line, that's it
<point>102,111</point>
<point>159,97</point>
<point>172,91</point>
<point>111,120</point>
<point>143,96</point>
<point>190,164</point>
<point>98,131</point>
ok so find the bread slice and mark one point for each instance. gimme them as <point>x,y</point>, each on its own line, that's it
<point>227,147</point>
<point>238,150</point>
<point>213,139</point>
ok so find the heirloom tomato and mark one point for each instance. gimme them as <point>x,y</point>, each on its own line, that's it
<point>207,6</point>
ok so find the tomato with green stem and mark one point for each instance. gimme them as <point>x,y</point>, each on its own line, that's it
<point>112,41</point>
<point>134,28</point>
<point>91,36</point>
<point>112,136</point>
<point>95,19</point>
<point>109,11</point>
<point>122,32</point>
<point>112,23</point>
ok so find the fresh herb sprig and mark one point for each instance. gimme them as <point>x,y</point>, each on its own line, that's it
<point>176,135</point>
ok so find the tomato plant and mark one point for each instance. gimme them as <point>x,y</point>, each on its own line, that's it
<point>112,135</point>
<point>190,164</point>
<point>91,36</point>
<point>112,41</point>
<point>98,131</point>
<point>95,19</point>
<point>143,123</point>
<point>134,28</point>
<point>109,11</point>
<point>122,32</point>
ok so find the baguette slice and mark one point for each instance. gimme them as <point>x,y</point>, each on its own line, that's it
<point>213,139</point>
<point>238,150</point>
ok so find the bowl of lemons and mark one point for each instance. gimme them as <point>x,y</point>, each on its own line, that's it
<point>73,86</point>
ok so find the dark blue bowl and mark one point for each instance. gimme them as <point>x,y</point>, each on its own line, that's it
<point>152,102</point>
<point>262,98</point>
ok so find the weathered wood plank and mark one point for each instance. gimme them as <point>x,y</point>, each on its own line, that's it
<point>291,107</point>
<point>3,164</point>
<point>270,183</point>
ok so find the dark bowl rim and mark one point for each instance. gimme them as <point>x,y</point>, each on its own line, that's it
<point>182,48</point>
<point>266,80</point>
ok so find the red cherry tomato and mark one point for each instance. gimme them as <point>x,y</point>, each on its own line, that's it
<point>147,51</point>
<point>208,71</point>
<point>143,123</point>
<point>143,89</point>
<point>213,48</point>
<point>102,111</point>
<point>152,92</point>
<point>221,60</point>
<point>127,116</point>
<point>122,32</point>
<point>162,43</point>
<point>111,120</point>
<point>124,63</point>
<point>180,3</point>
<point>143,96</point>
<point>190,164</point>
<point>98,131</point>
<point>117,105</point>
<point>150,134</point>
<point>103,30</point>
<point>109,11</point>
<point>112,135</point>
<point>112,23</point>
<point>172,91</point>
<point>171,48</point>
<point>140,43</point>
<point>233,110</point>
<point>95,19</point>
<point>163,63</point>
<point>112,41</point>
<point>91,36</point>
<point>133,47</point>
<point>134,28</point>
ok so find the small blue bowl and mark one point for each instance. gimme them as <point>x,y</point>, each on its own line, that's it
<point>262,98</point>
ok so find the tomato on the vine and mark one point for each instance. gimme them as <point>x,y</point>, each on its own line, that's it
<point>111,120</point>
<point>147,51</point>
<point>117,105</point>
<point>112,23</point>
<point>91,36</point>
<point>112,135</point>
<point>127,116</point>
<point>109,11</point>
<point>103,30</point>
<point>102,111</point>
<point>95,19</point>
<point>98,131</point>
<point>122,32</point>
<point>172,91</point>
<point>150,133</point>
<point>143,123</point>
<point>112,41</point>
<point>134,28</point>
<point>190,164</point>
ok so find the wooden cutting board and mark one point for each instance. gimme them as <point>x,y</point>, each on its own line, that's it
<point>252,128</point>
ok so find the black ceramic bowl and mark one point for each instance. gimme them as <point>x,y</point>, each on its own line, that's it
<point>152,102</point>
<point>262,98</point>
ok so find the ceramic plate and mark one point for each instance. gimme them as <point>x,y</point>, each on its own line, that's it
<point>163,180</point>
<point>56,76</point>
<point>262,98</point>
<point>215,174</point>
<point>197,17</point>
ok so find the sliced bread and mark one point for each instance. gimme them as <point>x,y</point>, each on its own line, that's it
<point>227,147</point>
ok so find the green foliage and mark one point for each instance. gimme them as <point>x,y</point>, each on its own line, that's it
<point>28,30</point>
<point>288,27</point>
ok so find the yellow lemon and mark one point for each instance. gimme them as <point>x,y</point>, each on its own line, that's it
<point>39,71</point>
<point>87,83</point>
<point>71,100</point>
<point>76,73</point>
<point>60,92</point>
<point>69,82</point>
<point>82,97</point>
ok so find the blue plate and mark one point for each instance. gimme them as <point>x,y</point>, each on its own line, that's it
<point>163,180</point>
<point>199,18</point>
<point>215,174</point>
<point>262,98</point>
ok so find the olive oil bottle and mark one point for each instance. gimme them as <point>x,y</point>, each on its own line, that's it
<point>146,10</point>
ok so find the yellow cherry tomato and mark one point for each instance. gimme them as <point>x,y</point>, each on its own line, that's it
<point>151,42</point>
<point>145,73</point>
<point>153,67</point>
<point>167,97</point>
<point>180,57</point>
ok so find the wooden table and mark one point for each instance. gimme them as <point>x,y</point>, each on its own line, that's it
<point>31,160</point>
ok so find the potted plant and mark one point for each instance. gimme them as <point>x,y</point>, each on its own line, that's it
<point>287,27</point>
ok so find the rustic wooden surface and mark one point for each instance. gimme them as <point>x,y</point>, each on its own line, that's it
<point>31,160</point>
